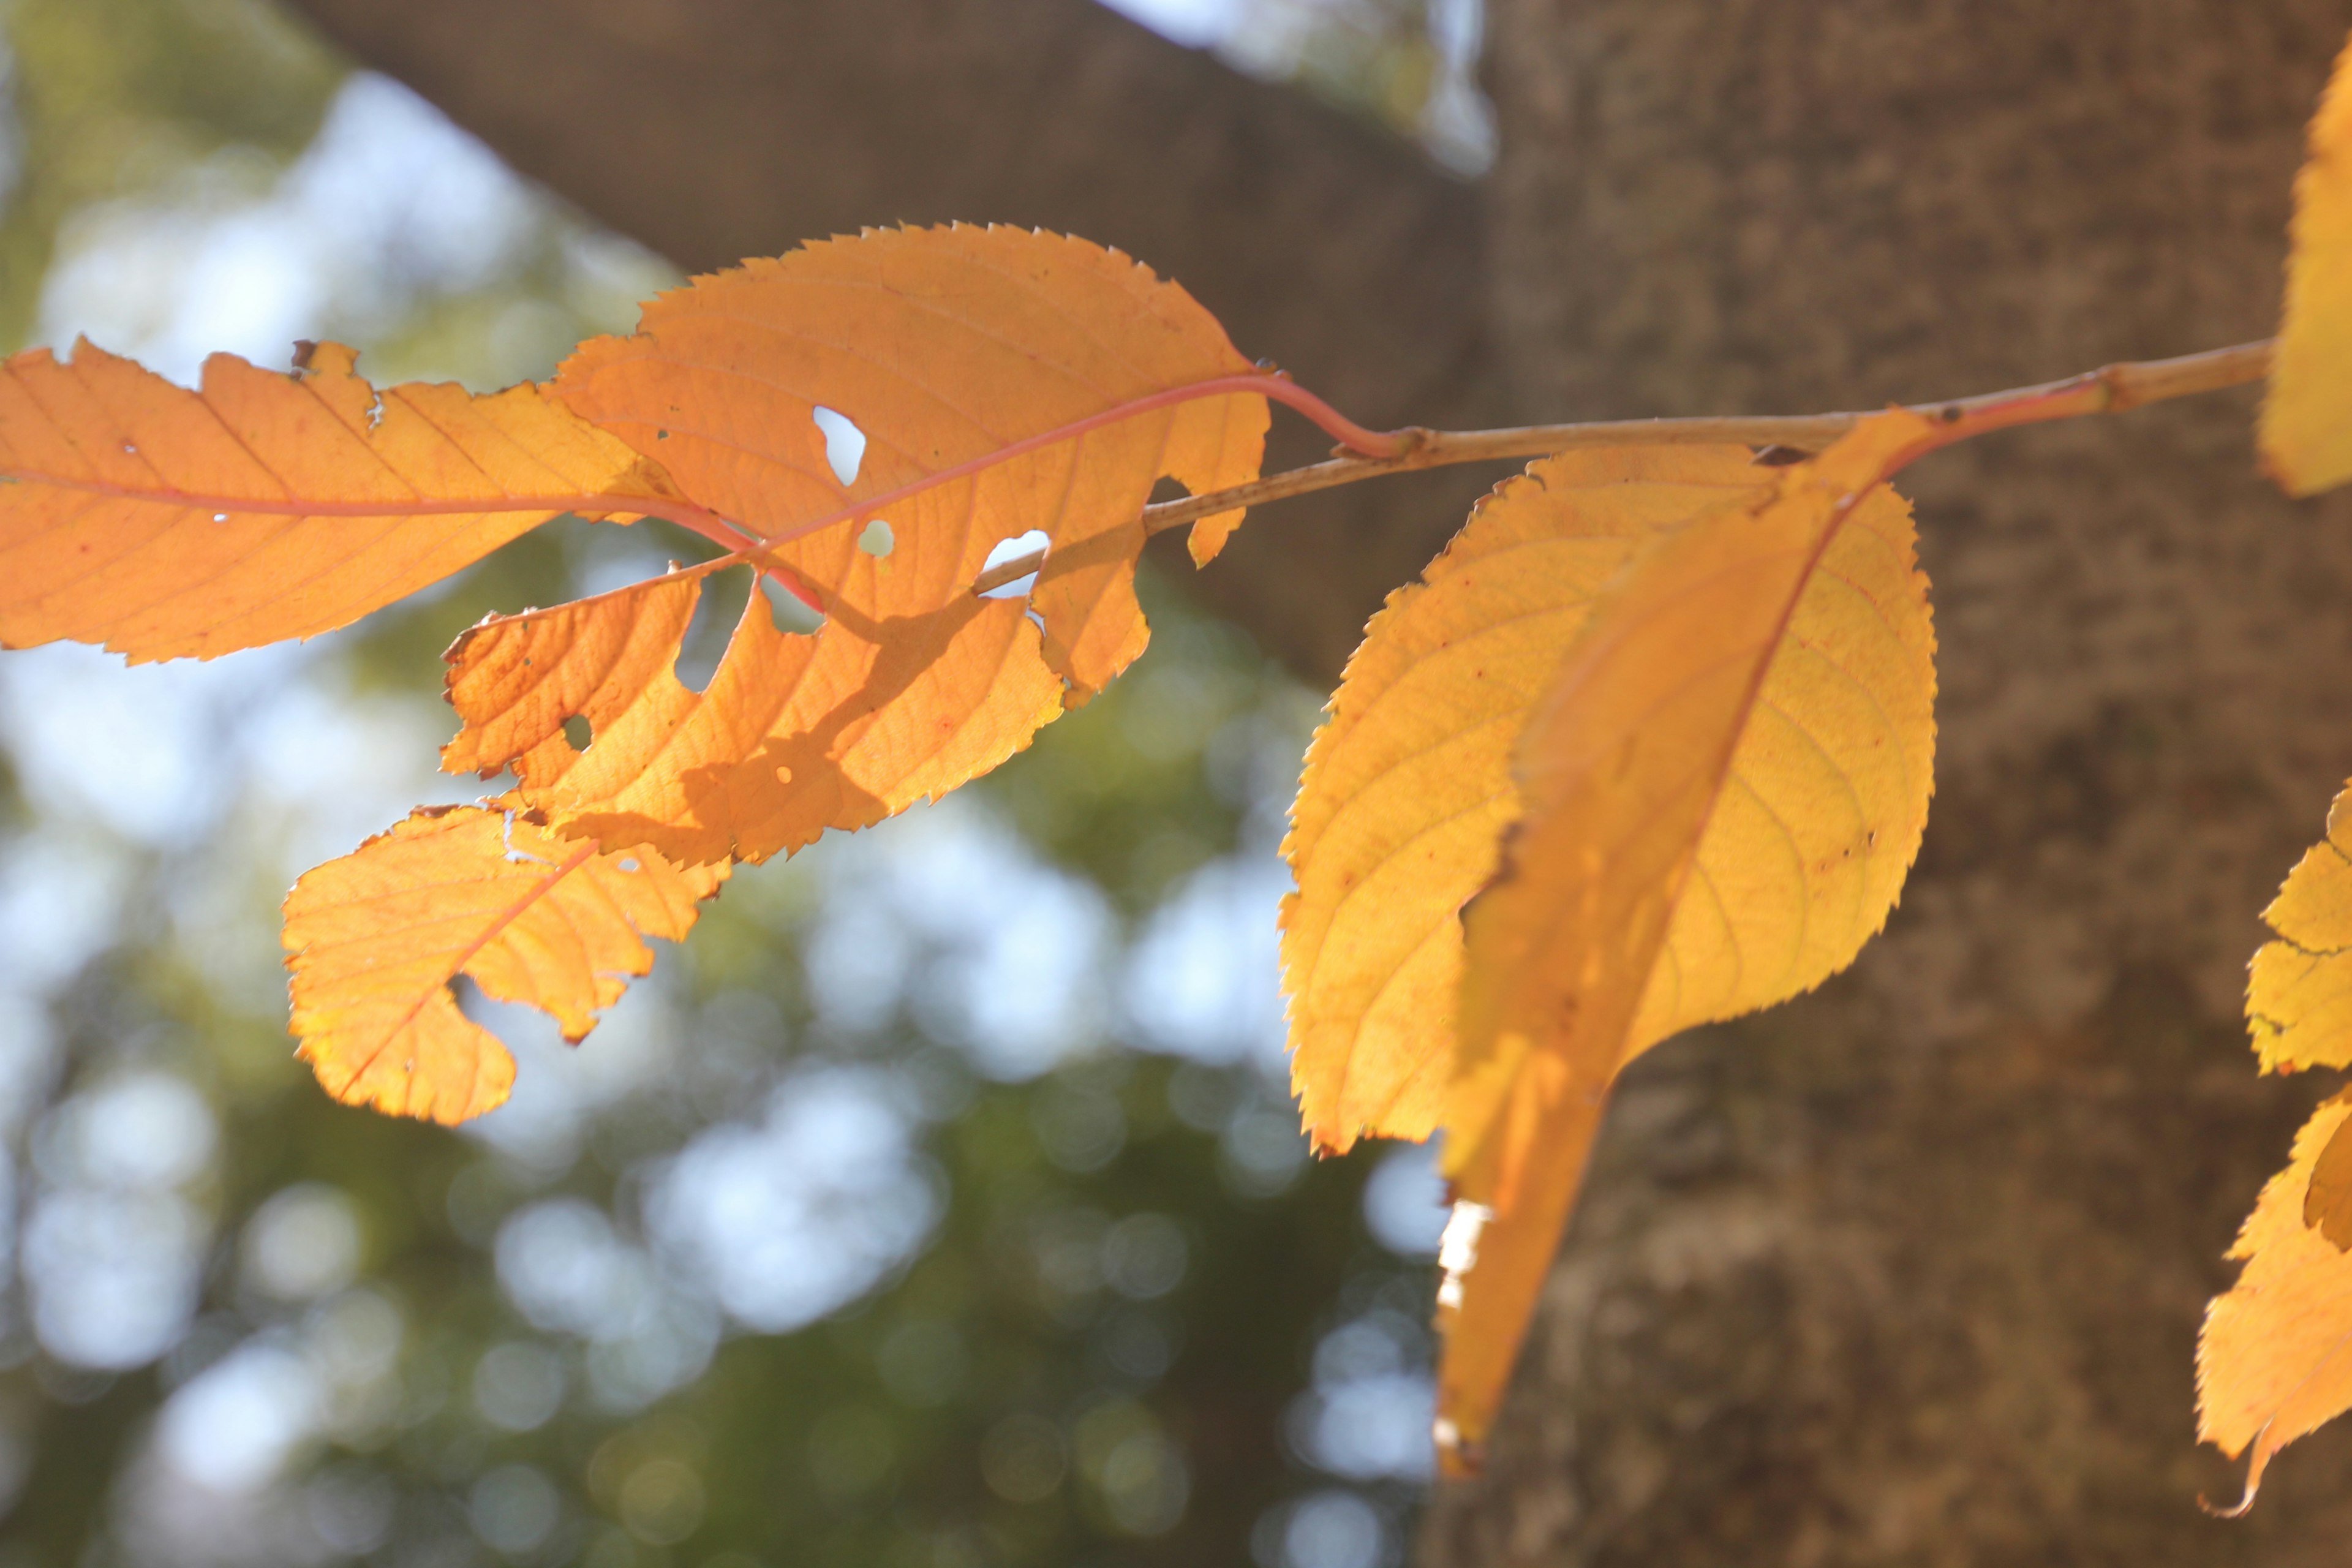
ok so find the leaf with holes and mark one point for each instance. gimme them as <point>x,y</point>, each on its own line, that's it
<point>374,939</point>
<point>971,363</point>
<point>1719,791</point>
<point>167,523</point>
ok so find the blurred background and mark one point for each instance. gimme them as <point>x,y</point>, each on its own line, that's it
<point>942,1203</point>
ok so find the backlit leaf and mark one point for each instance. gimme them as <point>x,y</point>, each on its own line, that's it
<point>2306,425</point>
<point>794,733</point>
<point>167,524</point>
<point>1408,783</point>
<point>2275,1359</point>
<point>2299,989</point>
<point>374,939</point>
<point>943,346</point>
<point>1580,954</point>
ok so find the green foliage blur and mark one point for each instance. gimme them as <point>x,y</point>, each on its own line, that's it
<point>836,1245</point>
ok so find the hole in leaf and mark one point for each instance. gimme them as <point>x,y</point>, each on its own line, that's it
<point>845,442</point>
<point>1167,490</point>
<point>878,539</point>
<point>629,863</point>
<point>723,596</point>
<point>220,517</point>
<point>579,731</point>
<point>1011,550</point>
<point>792,616</point>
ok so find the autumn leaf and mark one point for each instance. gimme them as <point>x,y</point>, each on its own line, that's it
<point>793,734</point>
<point>1720,790</point>
<point>2306,423</point>
<point>374,939</point>
<point>943,347</point>
<point>2299,987</point>
<point>947,348</point>
<point>167,523</point>
<point>2275,1359</point>
<point>1408,783</point>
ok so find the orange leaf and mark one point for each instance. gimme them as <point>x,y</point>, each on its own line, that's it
<point>374,939</point>
<point>942,346</point>
<point>1716,730</point>
<point>2306,423</point>
<point>795,734</point>
<point>2274,1360</point>
<point>168,523</point>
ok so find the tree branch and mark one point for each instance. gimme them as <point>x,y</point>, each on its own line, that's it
<point>719,129</point>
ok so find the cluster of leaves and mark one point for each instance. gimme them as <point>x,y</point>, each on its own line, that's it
<point>1650,744</point>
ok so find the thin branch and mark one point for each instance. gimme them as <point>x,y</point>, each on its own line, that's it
<point>2112,389</point>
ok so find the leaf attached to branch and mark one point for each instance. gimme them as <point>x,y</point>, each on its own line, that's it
<point>1720,793</point>
<point>944,347</point>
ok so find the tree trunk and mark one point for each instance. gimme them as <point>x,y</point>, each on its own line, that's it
<point>1910,1271</point>
<point>713,130</point>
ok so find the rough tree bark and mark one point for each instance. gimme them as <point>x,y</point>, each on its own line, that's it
<point>1908,1272</point>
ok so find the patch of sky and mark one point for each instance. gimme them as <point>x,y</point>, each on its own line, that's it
<point>1196,24</point>
<point>1000,954</point>
<point>788,1219</point>
<point>112,1248</point>
<point>568,1270</point>
<point>1368,1415</point>
<point>390,202</point>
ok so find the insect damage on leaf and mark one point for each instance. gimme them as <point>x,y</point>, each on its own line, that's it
<point>167,524</point>
<point>1720,790</point>
<point>373,939</point>
<point>793,734</point>
<point>943,346</point>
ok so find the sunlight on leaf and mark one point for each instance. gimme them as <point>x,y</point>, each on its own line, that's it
<point>1721,791</point>
<point>2306,425</point>
<point>374,939</point>
<point>167,523</point>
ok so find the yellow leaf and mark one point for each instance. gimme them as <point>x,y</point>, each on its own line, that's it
<point>2299,990</point>
<point>372,941</point>
<point>795,734</point>
<point>2275,1359</point>
<point>2327,1205</point>
<point>1408,783</point>
<point>2306,425</point>
<point>1720,792</point>
<point>168,523</point>
<point>942,346</point>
